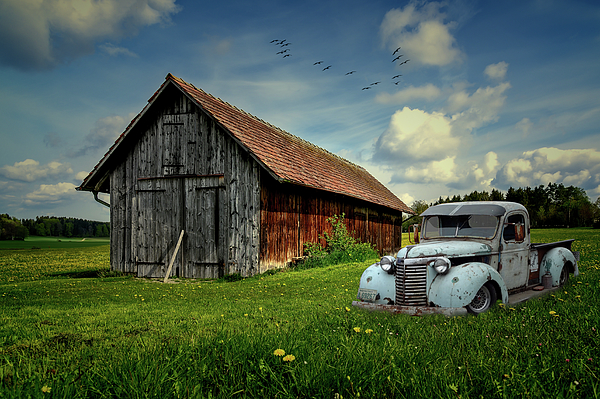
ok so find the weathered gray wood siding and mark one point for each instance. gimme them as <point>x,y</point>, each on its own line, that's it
<point>183,172</point>
<point>292,215</point>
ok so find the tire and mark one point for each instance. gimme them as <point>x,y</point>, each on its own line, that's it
<point>564,276</point>
<point>484,299</point>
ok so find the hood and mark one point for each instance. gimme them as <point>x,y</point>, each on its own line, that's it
<point>450,249</point>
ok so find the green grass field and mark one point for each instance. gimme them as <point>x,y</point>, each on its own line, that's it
<point>36,242</point>
<point>68,329</point>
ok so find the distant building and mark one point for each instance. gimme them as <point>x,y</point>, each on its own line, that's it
<point>247,194</point>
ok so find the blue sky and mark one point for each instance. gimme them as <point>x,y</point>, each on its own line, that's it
<point>496,94</point>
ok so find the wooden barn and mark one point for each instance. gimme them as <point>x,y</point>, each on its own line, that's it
<point>246,194</point>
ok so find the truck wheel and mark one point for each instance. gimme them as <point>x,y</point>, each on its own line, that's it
<point>484,299</point>
<point>564,276</point>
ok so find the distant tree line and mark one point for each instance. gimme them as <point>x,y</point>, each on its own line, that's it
<point>553,205</point>
<point>12,228</point>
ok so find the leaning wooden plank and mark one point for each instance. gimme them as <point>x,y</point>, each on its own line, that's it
<point>173,257</point>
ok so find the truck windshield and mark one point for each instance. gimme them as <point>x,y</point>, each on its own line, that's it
<point>483,226</point>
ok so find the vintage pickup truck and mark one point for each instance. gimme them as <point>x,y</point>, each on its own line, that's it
<point>468,255</point>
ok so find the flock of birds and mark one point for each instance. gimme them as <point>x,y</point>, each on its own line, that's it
<point>286,52</point>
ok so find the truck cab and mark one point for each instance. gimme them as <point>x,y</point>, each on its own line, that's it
<point>468,255</point>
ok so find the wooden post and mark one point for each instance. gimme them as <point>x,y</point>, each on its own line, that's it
<point>173,257</point>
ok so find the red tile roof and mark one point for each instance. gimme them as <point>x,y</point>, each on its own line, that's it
<point>287,157</point>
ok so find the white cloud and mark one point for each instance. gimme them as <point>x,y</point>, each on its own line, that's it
<point>50,194</point>
<point>39,35</point>
<point>406,198</point>
<point>81,175</point>
<point>516,172</point>
<point>476,110</point>
<point>415,135</point>
<point>578,179</point>
<point>427,148</point>
<point>422,34</point>
<point>115,51</point>
<point>427,92</point>
<point>484,174</point>
<point>30,170</point>
<point>491,162</point>
<point>216,45</point>
<point>451,174</point>
<point>525,125</point>
<point>443,171</point>
<point>489,99</point>
<point>496,71</point>
<point>103,134</point>
<point>575,167</point>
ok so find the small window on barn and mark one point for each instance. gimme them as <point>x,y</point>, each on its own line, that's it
<point>173,138</point>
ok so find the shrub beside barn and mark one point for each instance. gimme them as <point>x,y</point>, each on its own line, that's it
<point>247,194</point>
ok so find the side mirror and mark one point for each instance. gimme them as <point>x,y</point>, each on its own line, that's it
<point>413,230</point>
<point>519,232</point>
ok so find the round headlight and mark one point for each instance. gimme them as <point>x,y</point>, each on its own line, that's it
<point>387,264</point>
<point>441,265</point>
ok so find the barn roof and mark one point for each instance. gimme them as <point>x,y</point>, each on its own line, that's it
<point>286,157</point>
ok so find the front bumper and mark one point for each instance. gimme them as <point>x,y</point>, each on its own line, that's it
<point>411,310</point>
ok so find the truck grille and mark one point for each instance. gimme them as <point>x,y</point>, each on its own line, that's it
<point>411,285</point>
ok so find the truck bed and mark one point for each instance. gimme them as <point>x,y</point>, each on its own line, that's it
<point>550,245</point>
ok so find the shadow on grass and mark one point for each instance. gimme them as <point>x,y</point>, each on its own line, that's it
<point>98,273</point>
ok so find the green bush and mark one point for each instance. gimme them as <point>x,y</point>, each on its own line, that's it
<point>340,247</point>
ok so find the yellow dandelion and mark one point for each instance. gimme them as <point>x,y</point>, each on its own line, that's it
<point>46,389</point>
<point>347,309</point>
<point>279,352</point>
<point>289,358</point>
<point>357,329</point>
<point>552,312</point>
<point>368,331</point>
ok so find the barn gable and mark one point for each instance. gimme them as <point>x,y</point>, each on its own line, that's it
<point>247,194</point>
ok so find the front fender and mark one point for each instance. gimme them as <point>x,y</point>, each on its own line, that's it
<point>374,278</point>
<point>458,287</point>
<point>555,259</point>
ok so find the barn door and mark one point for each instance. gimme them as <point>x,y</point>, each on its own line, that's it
<point>157,215</point>
<point>205,227</point>
<point>162,207</point>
